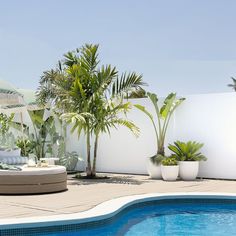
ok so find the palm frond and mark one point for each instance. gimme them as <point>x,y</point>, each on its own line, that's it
<point>234,83</point>
<point>126,123</point>
<point>89,57</point>
<point>126,84</point>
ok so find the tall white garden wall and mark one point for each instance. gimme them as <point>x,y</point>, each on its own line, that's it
<point>123,152</point>
<point>207,118</point>
<point>211,119</point>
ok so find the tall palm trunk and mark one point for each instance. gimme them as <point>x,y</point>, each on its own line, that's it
<point>88,168</point>
<point>95,155</point>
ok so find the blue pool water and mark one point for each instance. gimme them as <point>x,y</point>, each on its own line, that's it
<point>171,217</point>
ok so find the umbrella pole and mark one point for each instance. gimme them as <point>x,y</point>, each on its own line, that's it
<point>22,129</point>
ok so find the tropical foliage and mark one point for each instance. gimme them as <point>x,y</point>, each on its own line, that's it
<point>41,139</point>
<point>89,96</point>
<point>44,135</point>
<point>141,93</point>
<point>69,160</point>
<point>163,115</point>
<point>26,146</point>
<point>5,121</point>
<point>7,139</point>
<point>189,151</point>
<point>233,85</point>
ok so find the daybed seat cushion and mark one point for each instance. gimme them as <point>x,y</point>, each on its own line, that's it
<point>35,171</point>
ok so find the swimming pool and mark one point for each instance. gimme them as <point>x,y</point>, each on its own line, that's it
<point>175,215</point>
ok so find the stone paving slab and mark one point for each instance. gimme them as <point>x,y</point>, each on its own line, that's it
<point>85,194</point>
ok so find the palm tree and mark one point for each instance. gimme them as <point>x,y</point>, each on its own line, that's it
<point>141,93</point>
<point>234,84</point>
<point>91,97</point>
<point>107,118</point>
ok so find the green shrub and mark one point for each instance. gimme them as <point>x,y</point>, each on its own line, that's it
<point>26,146</point>
<point>169,161</point>
<point>188,151</point>
<point>7,138</point>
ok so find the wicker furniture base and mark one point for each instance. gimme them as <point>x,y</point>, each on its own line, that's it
<point>33,181</point>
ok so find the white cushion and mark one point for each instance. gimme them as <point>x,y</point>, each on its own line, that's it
<point>10,153</point>
<point>15,160</point>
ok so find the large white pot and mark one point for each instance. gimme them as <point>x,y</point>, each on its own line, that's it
<point>188,170</point>
<point>154,171</point>
<point>169,173</point>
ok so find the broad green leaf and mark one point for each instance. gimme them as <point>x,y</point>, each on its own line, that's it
<point>143,109</point>
<point>168,105</point>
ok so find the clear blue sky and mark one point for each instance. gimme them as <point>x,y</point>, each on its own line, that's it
<point>187,46</point>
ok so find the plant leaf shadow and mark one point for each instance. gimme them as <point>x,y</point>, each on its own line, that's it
<point>129,180</point>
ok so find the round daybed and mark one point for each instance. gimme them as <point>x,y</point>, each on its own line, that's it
<point>33,180</point>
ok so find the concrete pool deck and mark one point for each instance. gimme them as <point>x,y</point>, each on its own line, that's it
<point>85,194</point>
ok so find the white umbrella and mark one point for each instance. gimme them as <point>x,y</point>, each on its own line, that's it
<point>11,101</point>
<point>9,95</point>
<point>29,97</point>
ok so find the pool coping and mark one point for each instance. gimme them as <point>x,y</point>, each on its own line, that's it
<point>104,210</point>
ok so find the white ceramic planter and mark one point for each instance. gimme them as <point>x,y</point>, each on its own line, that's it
<point>169,173</point>
<point>11,153</point>
<point>188,170</point>
<point>154,171</point>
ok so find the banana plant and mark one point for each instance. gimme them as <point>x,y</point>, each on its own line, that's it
<point>44,132</point>
<point>163,115</point>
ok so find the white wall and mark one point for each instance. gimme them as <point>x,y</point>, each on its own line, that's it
<point>207,118</point>
<point>122,151</point>
<point>211,119</point>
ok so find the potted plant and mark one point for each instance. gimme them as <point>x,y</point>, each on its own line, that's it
<point>70,160</point>
<point>163,114</point>
<point>7,138</point>
<point>169,168</point>
<point>188,155</point>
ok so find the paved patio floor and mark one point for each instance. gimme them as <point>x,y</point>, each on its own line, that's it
<point>85,194</point>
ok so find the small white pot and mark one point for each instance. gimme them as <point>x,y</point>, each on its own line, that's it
<point>154,171</point>
<point>169,173</point>
<point>188,170</point>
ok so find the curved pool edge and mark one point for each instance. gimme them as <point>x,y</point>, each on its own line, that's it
<point>104,210</point>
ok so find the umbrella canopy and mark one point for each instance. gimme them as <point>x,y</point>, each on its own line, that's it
<point>28,95</point>
<point>30,100</point>
<point>9,95</point>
